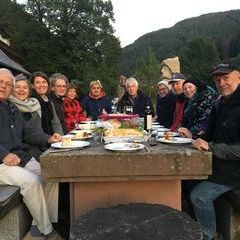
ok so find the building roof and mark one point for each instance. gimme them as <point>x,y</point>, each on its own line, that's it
<point>7,62</point>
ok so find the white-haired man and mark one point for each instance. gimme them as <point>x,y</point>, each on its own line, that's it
<point>18,168</point>
<point>135,98</point>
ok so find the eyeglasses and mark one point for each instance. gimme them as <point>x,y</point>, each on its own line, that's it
<point>61,86</point>
<point>6,83</point>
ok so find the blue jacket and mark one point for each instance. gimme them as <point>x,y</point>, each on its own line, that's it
<point>94,107</point>
<point>165,109</point>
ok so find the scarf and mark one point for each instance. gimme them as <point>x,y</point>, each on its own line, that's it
<point>30,105</point>
<point>102,94</point>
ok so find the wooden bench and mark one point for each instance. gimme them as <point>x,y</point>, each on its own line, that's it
<point>228,215</point>
<point>15,219</point>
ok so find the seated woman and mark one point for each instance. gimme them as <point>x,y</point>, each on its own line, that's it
<point>166,101</point>
<point>30,108</point>
<point>41,89</point>
<point>73,111</point>
<point>200,101</point>
<point>96,102</point>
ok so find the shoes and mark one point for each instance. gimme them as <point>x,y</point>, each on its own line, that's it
<point>54,236</point>
<point>28,236</point>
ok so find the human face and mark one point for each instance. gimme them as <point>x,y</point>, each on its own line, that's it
<point>189,90</point>
<point>60,87</point>
<point>6,85</point>
<point>71,93</point>
<point>177,87</point>
<point>95,90</point>
<point>162,90</point>
<point>21,90</point>
<point>227,83</point>
<point>132,88</point>
<point>40,85</point>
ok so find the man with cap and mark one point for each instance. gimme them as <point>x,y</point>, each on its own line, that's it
<point>176,83</point>
<point>222,139</point>
<point>166,101</point>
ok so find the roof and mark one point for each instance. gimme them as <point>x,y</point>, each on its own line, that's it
<point>7,62</point>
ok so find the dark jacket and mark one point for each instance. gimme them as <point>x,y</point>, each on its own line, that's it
<point>224,133</point>
<point>165,109</point>
<point>58,104</point>
<point>94,107</point>
<point>15,131</point>
<point>139,104</point>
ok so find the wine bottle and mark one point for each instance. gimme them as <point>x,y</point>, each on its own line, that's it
<point>148,118</point>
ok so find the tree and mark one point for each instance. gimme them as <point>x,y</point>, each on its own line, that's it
<point>83,27</point>
<point>148,72</point>
<point>198,58</point>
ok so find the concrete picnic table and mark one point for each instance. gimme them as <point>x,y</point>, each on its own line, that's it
<point>101,178</point>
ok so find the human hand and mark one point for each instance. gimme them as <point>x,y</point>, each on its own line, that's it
<point>55,138</point>
<point>11,159</point>
<point>184,132</point>
<point>200,144</point>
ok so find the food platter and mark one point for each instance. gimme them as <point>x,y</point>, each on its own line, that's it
<point>172,134</point>
<point>124,147</point>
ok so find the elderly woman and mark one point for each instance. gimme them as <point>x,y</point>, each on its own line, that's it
<point>166,101</point>
<point>73,111</point>
<point>135,98</point>
<point>30,109</point>
<point>96,102</point>
<point>200,101</point>
<point>50,121</point>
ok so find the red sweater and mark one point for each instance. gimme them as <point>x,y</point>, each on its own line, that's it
<point>178,113</point>
<point>73,113</point>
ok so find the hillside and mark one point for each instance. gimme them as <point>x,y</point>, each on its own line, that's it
<point>222,28</point>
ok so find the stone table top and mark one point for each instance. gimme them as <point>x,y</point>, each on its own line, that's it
<point>92,163</point>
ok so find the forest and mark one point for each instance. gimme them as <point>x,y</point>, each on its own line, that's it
<point>76,38</point>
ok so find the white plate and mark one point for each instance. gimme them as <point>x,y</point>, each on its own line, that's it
<point>77,131</point>
<point>126,139</point>
<point>75,144</point>
<point>157,124</point>
<point>88,122</point>
<point>85,126</point>
<point>124,147</point>
<point>162,129</point>
<point>74,138</point>
<point>175,140</point>
<point>173,134</point>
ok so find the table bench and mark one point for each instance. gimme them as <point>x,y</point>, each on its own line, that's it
<point>15,219</point>
<point>228,215</point>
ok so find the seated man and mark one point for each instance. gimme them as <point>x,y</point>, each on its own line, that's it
<point>222,139</point>
<point>18,168</point>
<point>135,98</point>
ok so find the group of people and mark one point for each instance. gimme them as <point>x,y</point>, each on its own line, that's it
<point>37,111</point>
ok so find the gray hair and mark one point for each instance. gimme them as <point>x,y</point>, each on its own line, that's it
<point>5,70</point>
<point>131,80</point>
<point>57,76</point>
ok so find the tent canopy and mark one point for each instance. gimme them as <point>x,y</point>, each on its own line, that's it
<point>7,62</point>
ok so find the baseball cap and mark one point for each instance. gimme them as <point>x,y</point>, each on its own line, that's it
<point>177,77</point>
<point>226,67</point>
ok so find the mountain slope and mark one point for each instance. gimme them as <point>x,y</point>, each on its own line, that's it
<point>222,28</point>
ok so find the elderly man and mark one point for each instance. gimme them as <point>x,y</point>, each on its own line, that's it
<point>176,83</point>
<point>222,139</point>
<point>18,168</point>
<point>135,98</point>
<point>59,83</point>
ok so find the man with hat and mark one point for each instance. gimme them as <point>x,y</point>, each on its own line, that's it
<point>176,83</point>
<point>222,139</point>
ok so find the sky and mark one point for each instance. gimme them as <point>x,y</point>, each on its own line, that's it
<point>134,18</point>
